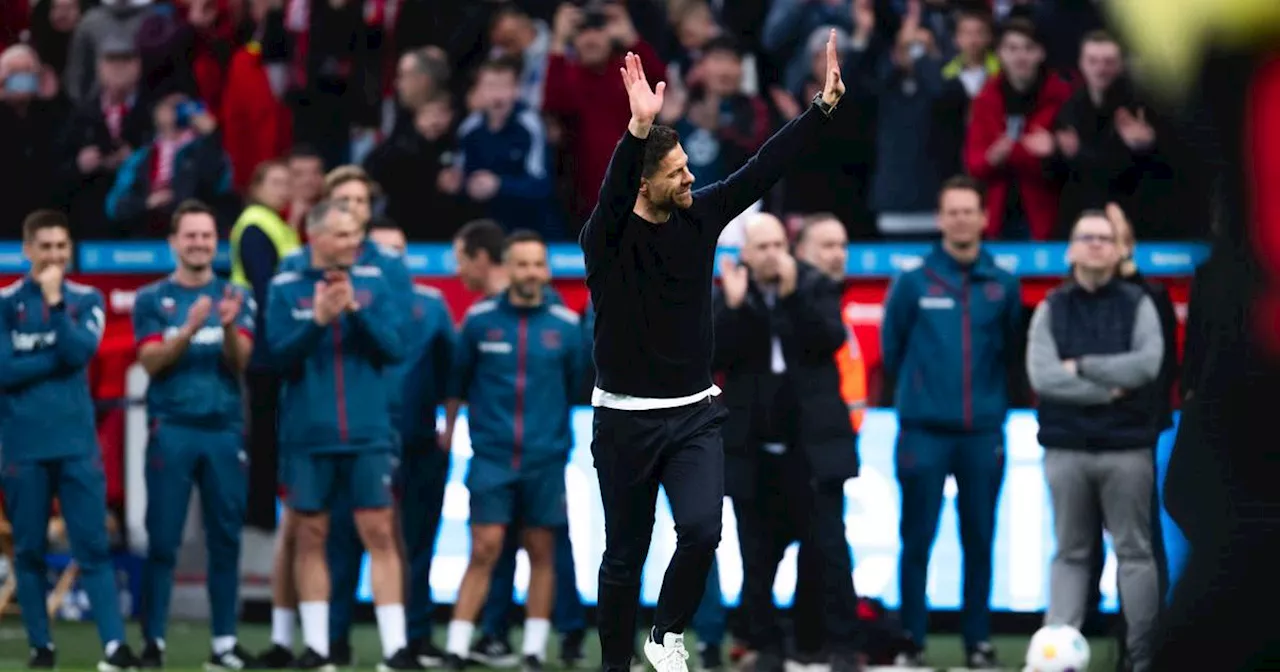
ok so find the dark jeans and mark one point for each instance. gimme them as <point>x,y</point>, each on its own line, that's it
<point>681,450</point>
<point>787,506</point>
<point>263,392</point>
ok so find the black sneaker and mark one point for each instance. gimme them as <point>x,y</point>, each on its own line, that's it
<point>121,660</point>
<point>454,662</point>
<point>494,652</point>
<point>531,664</point>
<point>310,660</point>
<point>571,648</point>
<point>235,659</point>
<point>276,658</point>
<point>982,656</point>
<point>42,658</point>
<point>152,657</point>
<point>429,655</point>
<point>404,659</point>
<point>340,652</point>
<point>710,658</point>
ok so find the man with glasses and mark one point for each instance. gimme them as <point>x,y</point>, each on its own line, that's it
<point>1094,359</point>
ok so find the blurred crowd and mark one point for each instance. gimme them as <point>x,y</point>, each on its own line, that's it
<point>117,110</point>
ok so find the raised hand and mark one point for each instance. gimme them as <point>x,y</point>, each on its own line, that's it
<point>198,314</point>
<point>833,90</point>
<point>50,281</point>
<point>646,102</point>
<point>733,281</point>
<point>229,307</point>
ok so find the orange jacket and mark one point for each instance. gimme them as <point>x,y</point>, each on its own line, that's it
<point>853,373</point>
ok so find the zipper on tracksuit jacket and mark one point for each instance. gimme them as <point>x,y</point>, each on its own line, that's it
<point>339,388</point>
<point>522,364</point>
<point>966,344</point>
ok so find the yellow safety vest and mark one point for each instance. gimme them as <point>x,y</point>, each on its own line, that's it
<point>282,236</point>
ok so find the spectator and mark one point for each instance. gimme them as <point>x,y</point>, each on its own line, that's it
<point>504,158</point>
<point>53,22</point>
<point>515,34</point>
<point>306,184</point>
<point>721,126</point>
<point>1108,149</point>
<point>1009,137</point>
<point>184,161</point>
<point>905,77</point>
<point>31,112</point>
<point>695,27</point>
<point>951,335</point>
<point>420,75</point>
<point>1094,353</point>
<point>115,20</point>
<point>103,132</point>
<point>962,78</point>
<point>257,125</point>
<point>187,47</point>
<point>420,176</point>
<point>789,27</point>
<point>585,93</point>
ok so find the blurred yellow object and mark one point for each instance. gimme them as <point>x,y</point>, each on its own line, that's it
<point>1170,37</point>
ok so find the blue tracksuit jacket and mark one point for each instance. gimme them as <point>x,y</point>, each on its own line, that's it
<point>199,389</point>
<point>424,374</point>
<point>949,337</point>
<point>517,154</point>
<point>46,411</point>
<point>334,378</point>
<point>518,369</point>
<point>399,282</point>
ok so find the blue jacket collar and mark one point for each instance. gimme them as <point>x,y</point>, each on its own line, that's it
<point>982,267</point>
<point>504,302</point>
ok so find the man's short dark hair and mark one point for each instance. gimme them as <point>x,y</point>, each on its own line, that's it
<point>500,64</point>
<point>305,151</point>
<point>521,236</point>
<point>482,235</point>
<point>662,139</point>
<point>972,14</point>
<point>724,44</point>
<point>190,206</point>
<point>1100,36</point>
<point>813,220</point>
<point>1020,26</point>
<point>964,183</point>
<point>43,219</point>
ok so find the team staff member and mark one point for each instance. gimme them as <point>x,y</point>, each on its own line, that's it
<point>1094,359</point>
<point>195,336</point>
<point>335,332</point>
<point>350,188</point>
<point>518,365</point>
<point>950,338</point>
<point>649,247</point>
<point>477,252</point>
<point>424,466</point>
<point>51,329</point>
<point>788,445</point>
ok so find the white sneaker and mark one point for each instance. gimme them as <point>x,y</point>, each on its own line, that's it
<point>669,656</point>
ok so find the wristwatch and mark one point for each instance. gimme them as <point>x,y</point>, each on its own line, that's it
<point>822,105</point>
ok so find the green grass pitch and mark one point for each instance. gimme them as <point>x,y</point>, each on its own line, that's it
<point>188,647</point>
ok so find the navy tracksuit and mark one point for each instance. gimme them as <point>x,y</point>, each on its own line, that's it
<point>568,614</point>
<point>51,447</point>
<point>197,438</point>
<point>950,337</point>
<point>344,550</point>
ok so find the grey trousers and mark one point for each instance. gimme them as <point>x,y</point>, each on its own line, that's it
<point>1113,489</point>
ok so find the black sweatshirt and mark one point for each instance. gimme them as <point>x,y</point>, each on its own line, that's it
<point>651,283</point>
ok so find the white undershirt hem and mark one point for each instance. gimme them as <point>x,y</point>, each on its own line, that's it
<point>626,402</point>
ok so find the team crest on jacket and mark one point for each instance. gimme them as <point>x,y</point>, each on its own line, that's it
<point>937,290</point>
<point>494,335</point>
<point>304,302</point>
<point>551,339</point>
<point>364,297</point>
<point>994,291</point>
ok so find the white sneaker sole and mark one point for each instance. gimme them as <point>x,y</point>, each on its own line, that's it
<point>653,651</point>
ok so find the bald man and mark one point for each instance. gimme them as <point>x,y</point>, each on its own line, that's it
<point>789,447</point>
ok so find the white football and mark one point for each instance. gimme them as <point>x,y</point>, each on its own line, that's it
<point>1057,648</point>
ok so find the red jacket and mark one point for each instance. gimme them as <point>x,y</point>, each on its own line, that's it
<point>256,127</point>
<point>1039,190</point>
<point>594,108</point>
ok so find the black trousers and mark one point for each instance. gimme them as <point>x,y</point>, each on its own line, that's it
<point>263,392</point>
<point>635,452</point>
<point>789,506</point>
